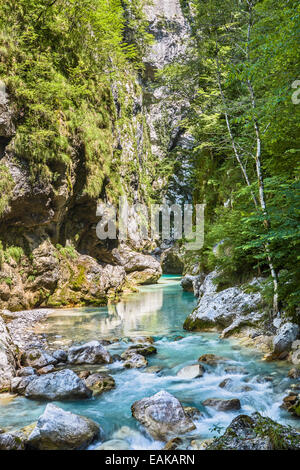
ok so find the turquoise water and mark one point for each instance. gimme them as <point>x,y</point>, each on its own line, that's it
<point>159,311</point>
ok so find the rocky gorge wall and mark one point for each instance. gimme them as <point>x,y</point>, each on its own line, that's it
<point>50,254</point>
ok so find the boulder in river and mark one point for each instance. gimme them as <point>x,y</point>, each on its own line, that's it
<point>19,384</point>
<point>99,383</point>
<point>143,349</point>
<point>135,361</point>
<point>285,337</point>
<point>191,372</point>
<point>62,385</point>
<point>212,359</point>
<point>256,432</point>
<point>223,404</point>
<point>89,353</point>
<point>162,415</point>
<point>25,371</point>
<point>58,429</point>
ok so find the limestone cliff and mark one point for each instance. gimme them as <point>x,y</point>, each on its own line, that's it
<point>50,254</point>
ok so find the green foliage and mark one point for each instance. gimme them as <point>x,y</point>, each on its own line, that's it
<point>67,251</point>
<point>14,252</point>
<point>226,51</point>
<point>6,186</point>
<point>59,61</point>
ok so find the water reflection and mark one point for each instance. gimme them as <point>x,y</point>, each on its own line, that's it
<point>154,310</point>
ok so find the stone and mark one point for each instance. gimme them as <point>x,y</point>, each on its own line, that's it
<point>12,441</point>
<point>142,339</point>
<point>153,370</point>
<point>143,349</point>
<point>37,358</point>
<point>295,345</point>
<point>89,353</point>
<point>285,337</point>
<point>46,369</point>
<point>19,384</point>
<point>296,357</point>
<point>173,443</point>
<point>193,412</point>
<point>191,372</point>
<point>62,385</point>
<point>99,383</point>
<point>7,357</point>
<point>212,359</point>
<point>228,309</point>
<point>222,404</point>
<point>172,261</point>
<point>58,429</point>
<point>162,415</point>
<point>114,444</point>
<point>60,355</point>
<point>294,373</point>
<point>256,432</point>
<point>25,371</point>
<point>83,374</point>
<point>135,361</point>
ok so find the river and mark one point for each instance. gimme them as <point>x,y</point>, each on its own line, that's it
<point>158,310</point>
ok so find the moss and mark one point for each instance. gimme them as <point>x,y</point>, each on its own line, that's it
<point>79,280</point>
<point>196,324</point>
<point>6,188</point>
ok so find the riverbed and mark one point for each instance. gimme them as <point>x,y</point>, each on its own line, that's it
<point>158,311</point>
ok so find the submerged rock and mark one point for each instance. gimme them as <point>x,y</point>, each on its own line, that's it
<point>89,353</point>
<point>173,444</point>
<point>256,433</point>
<point>114,444</point>
<point>212,359</point>
<point>191,372</point>
<point>62,385</point>
<point>58,429</point>
<point>99,383</point>
<point>162,415</point>
<point>222,404</point>
<point>192,412</point>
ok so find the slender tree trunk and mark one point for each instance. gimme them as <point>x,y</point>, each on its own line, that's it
<point>259,172</point>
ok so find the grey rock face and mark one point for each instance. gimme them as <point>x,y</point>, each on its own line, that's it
<point>286,335</point>
<point>162,415</point>
<point>11,441</point>
<point>89,353</point>
<point>62,385</point>
<point>57,429</point>
<point>227,310</point>
<point>19,384</point>
<point>256,433</point>
<point>60,355</point>
<point>25,371</point>
<point>7,357</point>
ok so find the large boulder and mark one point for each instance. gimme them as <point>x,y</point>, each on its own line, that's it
<point>285,337</point>
<point>139,268</point>
<point>191,372</point>
<point>256,433</point>
<point>99,383</point>
<point>7,357</point>
<point>230,308</point>
<point>57,429</point>
<point>172,261</point>
<point>162,415</point>
<point>190,283</point>
<point>37,358</point>
<point>62,385</point>
<point>89,353</point>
